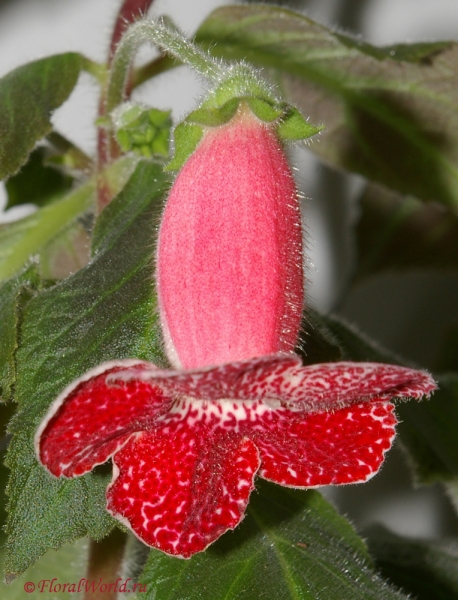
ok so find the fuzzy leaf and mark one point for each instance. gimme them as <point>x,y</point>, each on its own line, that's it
<point>427,569</point>
<point>391,114</point>
<point>36,183</point>
<point>24,238</point>
<point>28,96</point>
<point>292,544</point>
<point>10,293</point>
<point>69,251</point>
<point>65,566</point>
<point>104,311</point>
<point>398,232</point>
<point>34,234</point>
<point>428,432</point>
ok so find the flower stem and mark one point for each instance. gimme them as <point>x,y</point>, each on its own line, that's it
<point>105,561</point>
<point>107,148</point>
<point>166,37</point>
<point>128,13</point>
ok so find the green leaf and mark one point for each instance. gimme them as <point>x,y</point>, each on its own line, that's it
<point>37,183</point>
<point>396,232</point>
<point>448,354</point>
<point>427,569</point>
<point>291,545</point>
<point>34,234</point>
<point>64,567</point>
<point>391,114</point>
<point>428,432</point>
<point>69,251</point>
<point>28,96</point>
<point>103,312</point>
<point>317,344</point>
<point>10,293</point>
<point>24,238</point>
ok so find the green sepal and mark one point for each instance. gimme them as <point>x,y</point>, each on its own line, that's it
<point>293,126</point>
<point>187,137</point>
<point>290,126</point>
<point>241,83</point>
<point>265,111</point>
<point>214,116</point>
<point>145,131</point>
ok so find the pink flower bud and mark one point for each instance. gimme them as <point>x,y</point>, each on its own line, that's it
<point>229,262</point>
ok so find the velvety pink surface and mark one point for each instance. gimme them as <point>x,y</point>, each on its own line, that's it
<point>187,445</point>
<point>229,261</point>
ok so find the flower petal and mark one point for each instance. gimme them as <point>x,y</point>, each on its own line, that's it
<point>329,386</point>
<point>345,446</point>
<point>235,380</point>
<point>282,379</point>
<point>94,417</point>
<point>180,487</point>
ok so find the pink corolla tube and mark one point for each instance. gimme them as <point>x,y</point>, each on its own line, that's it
<point>187,443</point>
<point>229,261</point>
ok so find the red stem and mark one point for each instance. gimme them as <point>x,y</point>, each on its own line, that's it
<point>105,565</point>
<point>107,149</point>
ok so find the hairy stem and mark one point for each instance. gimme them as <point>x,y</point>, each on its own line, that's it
<point>168,39</point>
<point>107,148</point>
<point>129,12</point>
<point>105,561</point>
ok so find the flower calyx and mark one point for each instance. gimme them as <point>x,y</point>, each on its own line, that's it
<point>239,89</point>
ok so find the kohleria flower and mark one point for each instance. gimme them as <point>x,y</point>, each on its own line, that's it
<point>186,444</point>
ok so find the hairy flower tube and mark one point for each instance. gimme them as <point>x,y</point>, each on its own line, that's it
<point>187,444</point>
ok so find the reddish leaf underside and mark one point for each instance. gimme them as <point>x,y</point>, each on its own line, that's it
<point>187,445</point>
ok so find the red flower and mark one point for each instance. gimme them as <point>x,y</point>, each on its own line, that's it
<point>187,444</point>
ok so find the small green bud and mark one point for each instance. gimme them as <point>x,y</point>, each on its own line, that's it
<point>145,131</point>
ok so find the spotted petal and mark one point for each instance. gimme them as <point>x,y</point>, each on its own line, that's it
<point>180,487</point>
<point>329,386</point>
<point>331,448</point>
<point>94,417</point>
<point>282,379</point>
<point>235,380</point>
